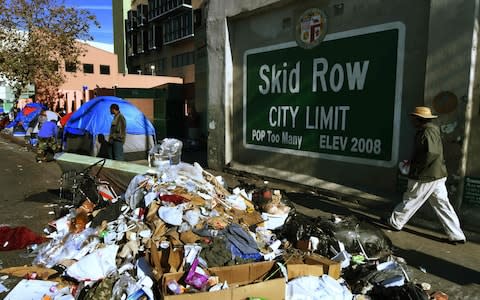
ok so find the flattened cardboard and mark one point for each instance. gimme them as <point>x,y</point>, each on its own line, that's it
<point>245,281</point>
<point>330,267</point>
<point>314,265</point>
<point>295,271</point>
<point>23,271</point>
<point>270,289</point>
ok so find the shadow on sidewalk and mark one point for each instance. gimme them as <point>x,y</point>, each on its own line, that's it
<point>374,215</point>
<point>48,196</point>
<point>440,267</point>
<point>313,201</point>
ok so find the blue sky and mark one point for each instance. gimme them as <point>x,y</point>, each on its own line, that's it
<point>102,9</point>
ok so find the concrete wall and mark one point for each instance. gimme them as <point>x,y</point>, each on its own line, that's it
<point>449,68</point>
<point>119,11</point>
<point>437,58</point>
<point>473,160</point>
<point>201,75</point>
<point>249,28</point>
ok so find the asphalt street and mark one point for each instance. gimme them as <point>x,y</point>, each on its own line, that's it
<point>29,192</point>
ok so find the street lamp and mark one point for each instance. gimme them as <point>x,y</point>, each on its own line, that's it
<point>152,67</point>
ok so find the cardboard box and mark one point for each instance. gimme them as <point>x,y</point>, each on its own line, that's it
<point>247,280</point>
<point>314,265</point>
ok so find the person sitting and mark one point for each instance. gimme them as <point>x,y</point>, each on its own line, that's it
<point>47,141</point>
<point>104,150</point>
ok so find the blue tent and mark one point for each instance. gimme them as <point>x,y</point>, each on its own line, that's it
<point>26,115</point>
<point>94,118</point>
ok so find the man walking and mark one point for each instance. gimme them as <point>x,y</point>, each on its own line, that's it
<point>47,139</point>
<point>117,133</point>
<point>426,179</point>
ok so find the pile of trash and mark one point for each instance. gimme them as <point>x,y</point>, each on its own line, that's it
<point>179,229</point>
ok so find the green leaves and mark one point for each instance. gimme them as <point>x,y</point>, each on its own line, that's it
<point>36,36</point>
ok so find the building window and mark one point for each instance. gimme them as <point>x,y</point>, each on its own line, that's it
<point>142,14</point>
<point>167,5</point>
<point>140,41</point>
<point>131,44</point>
<point>161,66</point>
<point>153,37</point>
<point>153,8</point>
<point>88,68</point>
<point>105,69</point>
<point>178,27</point>
<point>70,67</point>
<point>131,19</point>
<point>197,18</point>
<point>184,59</point>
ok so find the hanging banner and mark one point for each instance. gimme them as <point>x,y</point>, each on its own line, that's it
<point>340,100</point>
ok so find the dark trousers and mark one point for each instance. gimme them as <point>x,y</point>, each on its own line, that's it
<point>46,148</point>
<point>116,150</point>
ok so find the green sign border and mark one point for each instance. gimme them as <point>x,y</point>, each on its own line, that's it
<point>397,106</point>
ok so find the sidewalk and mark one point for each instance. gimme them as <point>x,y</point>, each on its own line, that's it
<point>448,268</point>
<point>308,198</point>
<point>342,200</point>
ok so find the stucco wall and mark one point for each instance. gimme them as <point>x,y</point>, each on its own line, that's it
<point>145,106</point>
<point>73,86</point>
<point>99,57</point>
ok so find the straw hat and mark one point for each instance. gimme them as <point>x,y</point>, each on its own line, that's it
<point>423,112</point>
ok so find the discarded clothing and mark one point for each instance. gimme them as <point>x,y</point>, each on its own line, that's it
<point>14,238</point>
<point>216,254</point>
<point>241,239</point>
<point>103,290</point>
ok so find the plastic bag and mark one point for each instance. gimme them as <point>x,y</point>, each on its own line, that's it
<point>317,288</point>
<point>72,246</point>
<point>135,191</point>
<point>165,154</point>
<point>192,217</point>
<point>364,277</point>
<point>236,202</point>
<point>408,291</point>
<point>358,237</point>
<point>95,266</point>
<point>299,227</point>
<point>171,214</point>
<point>196,276</point>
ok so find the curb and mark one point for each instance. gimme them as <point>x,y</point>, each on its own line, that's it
<point>357,204</point>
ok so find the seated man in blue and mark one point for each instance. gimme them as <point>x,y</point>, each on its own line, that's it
<point>47,140</point>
